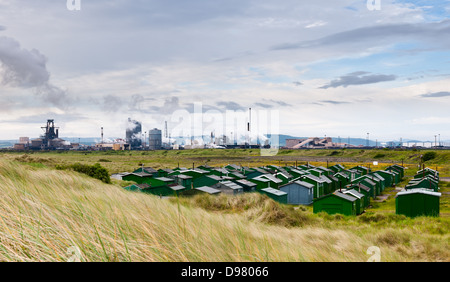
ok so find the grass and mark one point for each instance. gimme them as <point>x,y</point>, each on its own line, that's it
<point>44,212</point>
<point>121,161</point>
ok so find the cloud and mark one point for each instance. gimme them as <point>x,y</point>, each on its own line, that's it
<point>379,34</point>
<point>230,106</point>
<point>20,67</point>
<point>262,105</point>
<point>53,95</point>
<point>431,120</point>
<point>28,69</point>
<point>334,102</point>
<point>436,94</point>
<point>316,24</point>
<point>358,78</point>
<point>111,103</point>
<point>297,83</point>
<point>43,117</point>
<point>279,103</point>
<point>2,28</point>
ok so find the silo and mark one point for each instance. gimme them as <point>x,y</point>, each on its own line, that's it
<point>155,139</point>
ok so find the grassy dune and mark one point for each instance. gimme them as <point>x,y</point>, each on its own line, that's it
<point>129,160</point>
<point>45,213</point>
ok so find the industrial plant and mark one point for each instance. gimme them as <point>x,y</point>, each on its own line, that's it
<point>48,141</point>
<point>154,139</point>
<point>134,140</point>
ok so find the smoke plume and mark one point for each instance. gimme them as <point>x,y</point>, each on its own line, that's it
<point>28,69</point>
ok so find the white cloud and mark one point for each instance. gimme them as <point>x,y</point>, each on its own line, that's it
<point>316,24</point>
<point>431,120</point>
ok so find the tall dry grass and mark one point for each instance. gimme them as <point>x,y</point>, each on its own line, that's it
<point>45,213</point>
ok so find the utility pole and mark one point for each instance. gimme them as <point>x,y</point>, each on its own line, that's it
<point>249,126</point>
<point>166,133</point>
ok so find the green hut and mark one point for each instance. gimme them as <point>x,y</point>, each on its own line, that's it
<point>360,201</point>
<point>427,183</point>
<point>138,177</point>
<point>275,194</point>
<point>335,203</point>
<point>417,202</point>
<point>147,170</point>
<point>206,180</point>
<point>337,168</point>
<point>319,184</point>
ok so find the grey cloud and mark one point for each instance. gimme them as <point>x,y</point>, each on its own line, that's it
<point>437,32</point>
<point>359,78</point>
<point>436,94</point>
<point>297,83</point>
<point>54,95</point>
<point>20,67</point>
<point>2,28</point>
<point>270,103</point>
<point>230,105</point>
<point>236,56</point>
<point>415,77</point>
<point>262,105</point>
<point>334,102</point>
<point>137,102</point>
<point>42,118</point>
<point>27,69</point>
<point>279,103</point>
<point>111,103</point>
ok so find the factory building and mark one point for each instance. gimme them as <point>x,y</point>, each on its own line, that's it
<point>155,139</point>
<point>50,139</point>
<point>312,142</point>
<point>134,134</point>
<point>24,140</point>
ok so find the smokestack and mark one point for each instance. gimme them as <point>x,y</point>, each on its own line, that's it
<point>102,135</point>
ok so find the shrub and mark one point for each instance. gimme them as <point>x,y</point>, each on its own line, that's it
<point>96,171</point>
<point>379,156</point>
<point>334,153</point>
<point>429,156</point>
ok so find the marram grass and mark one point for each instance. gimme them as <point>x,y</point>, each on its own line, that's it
<point>50,215</point>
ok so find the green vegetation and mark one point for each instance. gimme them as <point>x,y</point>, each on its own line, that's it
<point>120,161</point>
<point>45,212</point>
<point>96,171</point>
<point>429,156</point>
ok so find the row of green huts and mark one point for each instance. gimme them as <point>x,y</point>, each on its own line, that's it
<point>356,196</point>
<point>297,185</point>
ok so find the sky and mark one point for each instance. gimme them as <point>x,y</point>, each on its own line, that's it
<point>305,68</point>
